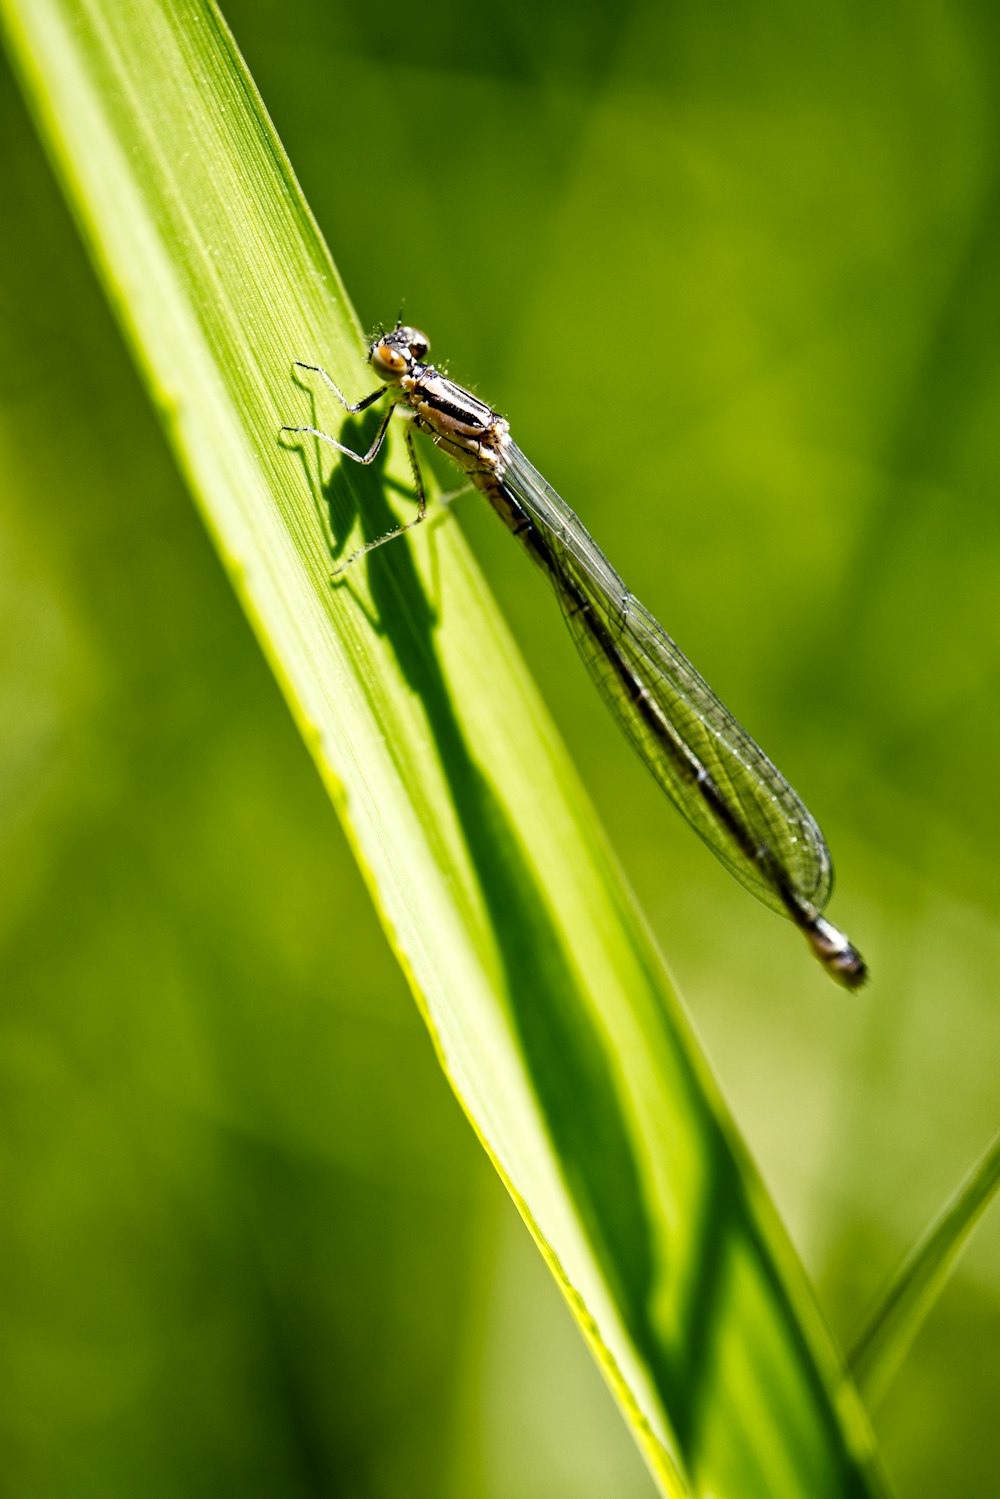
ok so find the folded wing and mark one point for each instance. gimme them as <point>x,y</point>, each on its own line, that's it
<point>717,777</point>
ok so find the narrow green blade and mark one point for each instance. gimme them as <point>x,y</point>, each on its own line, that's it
<point>885,1341</point>
<point>551,1012</point>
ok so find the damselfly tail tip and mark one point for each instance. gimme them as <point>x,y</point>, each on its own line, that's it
<point>839,957</point>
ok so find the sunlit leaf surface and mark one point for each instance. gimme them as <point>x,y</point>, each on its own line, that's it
<point>730,274</point>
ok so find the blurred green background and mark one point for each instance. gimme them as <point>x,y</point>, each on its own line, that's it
<point>732,272</point>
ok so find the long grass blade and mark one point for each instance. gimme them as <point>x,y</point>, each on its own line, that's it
<point>904,1307</point>
<point>550,1010</point>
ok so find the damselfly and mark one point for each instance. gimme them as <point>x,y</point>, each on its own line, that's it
<point>711,769</point>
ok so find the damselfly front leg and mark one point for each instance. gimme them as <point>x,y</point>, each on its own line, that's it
<point>369,457</point>
<point>362,405</point>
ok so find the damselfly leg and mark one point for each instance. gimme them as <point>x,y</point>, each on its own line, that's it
<point>369,457</point>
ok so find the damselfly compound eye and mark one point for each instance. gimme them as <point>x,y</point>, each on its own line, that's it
<point>389,363</point>
<point>418,343</point>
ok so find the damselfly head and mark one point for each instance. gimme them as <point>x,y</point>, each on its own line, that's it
<point>394,354</point>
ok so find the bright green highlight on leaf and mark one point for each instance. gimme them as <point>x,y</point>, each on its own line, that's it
<point>884,1343</point>
<point>550,1010</point>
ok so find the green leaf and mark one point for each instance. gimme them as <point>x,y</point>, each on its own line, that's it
<point>903,1308</point>
<point>550,1010</point>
